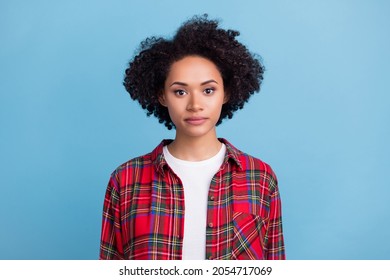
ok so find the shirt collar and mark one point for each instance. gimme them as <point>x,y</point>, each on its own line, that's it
<point>158,159</point>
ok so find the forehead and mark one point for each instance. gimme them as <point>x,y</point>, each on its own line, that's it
<point>193,68</point>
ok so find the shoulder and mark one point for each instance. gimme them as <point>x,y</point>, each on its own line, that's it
<point>252,166</point>
<point>250,162</point>
<point>140,167</point>
<point>264,170</point>
<point>128,169</point>
<point>135,163</point>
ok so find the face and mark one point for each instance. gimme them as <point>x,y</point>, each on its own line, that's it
<point>194,95</point>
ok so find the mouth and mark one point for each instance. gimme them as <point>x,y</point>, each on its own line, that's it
<point>195,120</point>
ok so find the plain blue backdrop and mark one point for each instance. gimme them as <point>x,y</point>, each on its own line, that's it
<point>322,118</point>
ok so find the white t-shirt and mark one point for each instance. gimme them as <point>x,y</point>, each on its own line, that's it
<point>196,177</point>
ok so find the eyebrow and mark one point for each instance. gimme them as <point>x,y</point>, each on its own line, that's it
<point>202,84</point>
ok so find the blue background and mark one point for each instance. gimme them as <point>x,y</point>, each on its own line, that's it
<point>321,119</point>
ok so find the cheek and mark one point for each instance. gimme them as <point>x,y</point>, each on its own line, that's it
<point>174,110</point>
<point>217,103</point>
<point>173,116</point>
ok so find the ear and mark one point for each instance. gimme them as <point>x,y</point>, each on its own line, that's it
<point>226,97</point>
<point>161,98</point>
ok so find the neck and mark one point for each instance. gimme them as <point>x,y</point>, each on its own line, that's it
<point>195,148</point>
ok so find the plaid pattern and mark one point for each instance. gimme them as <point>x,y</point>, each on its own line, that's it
<point>143,215</point>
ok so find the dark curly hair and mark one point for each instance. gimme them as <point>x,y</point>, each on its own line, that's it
<point>241,71</point>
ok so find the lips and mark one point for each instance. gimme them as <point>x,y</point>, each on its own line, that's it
<point>195,120</point>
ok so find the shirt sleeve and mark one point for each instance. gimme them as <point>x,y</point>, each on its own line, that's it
<point>111,246</point>
<point>276,250</point>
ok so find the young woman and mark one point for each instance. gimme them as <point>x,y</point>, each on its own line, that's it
<point>197,196</point>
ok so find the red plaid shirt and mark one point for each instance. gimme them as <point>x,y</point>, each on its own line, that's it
<point>143,215</point>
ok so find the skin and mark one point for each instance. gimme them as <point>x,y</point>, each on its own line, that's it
<point>194,94</point>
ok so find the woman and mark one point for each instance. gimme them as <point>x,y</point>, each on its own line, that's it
<point>197,196</point>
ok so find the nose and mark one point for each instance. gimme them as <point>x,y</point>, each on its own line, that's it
<point>194,102</point>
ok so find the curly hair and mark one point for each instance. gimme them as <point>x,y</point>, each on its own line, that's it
<point>241,71</point>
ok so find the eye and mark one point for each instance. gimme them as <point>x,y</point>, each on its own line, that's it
<point>180,92</point>
<point>209,91</point>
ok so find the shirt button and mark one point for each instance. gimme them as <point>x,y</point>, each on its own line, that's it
<point>211,225</point>
<point>212,198</point>
<point>210,257</point>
